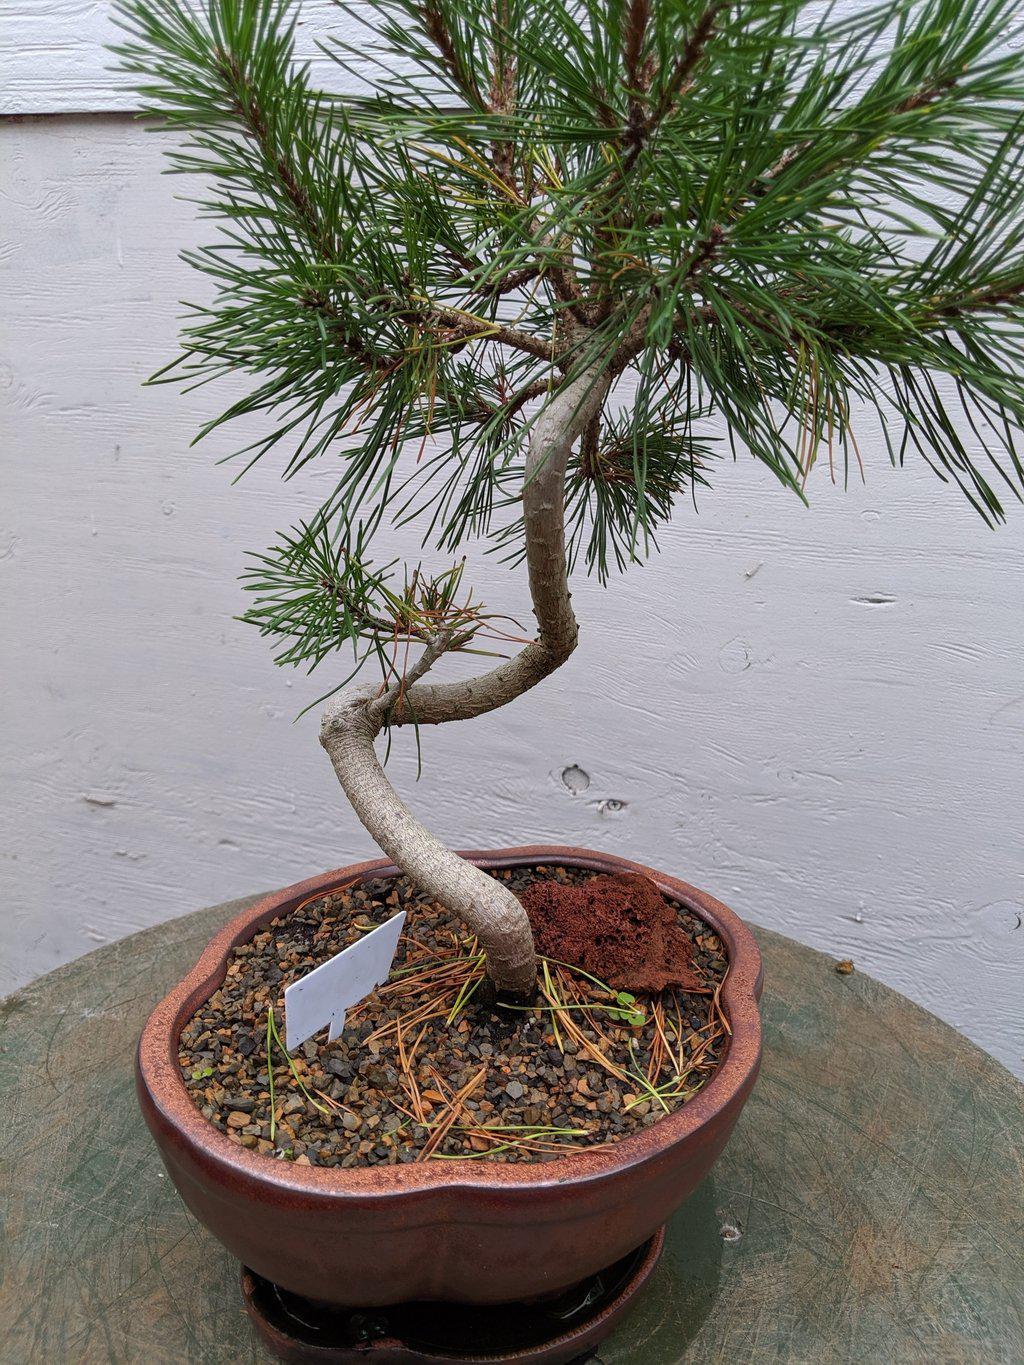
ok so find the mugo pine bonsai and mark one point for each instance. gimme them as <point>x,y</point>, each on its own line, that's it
<point>507,289</point>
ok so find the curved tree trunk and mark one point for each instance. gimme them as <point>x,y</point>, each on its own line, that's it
<point>352,721</point>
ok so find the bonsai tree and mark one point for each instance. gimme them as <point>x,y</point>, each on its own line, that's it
<point>508,290</point>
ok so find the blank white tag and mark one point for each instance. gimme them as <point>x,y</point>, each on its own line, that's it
<point>323,995</point>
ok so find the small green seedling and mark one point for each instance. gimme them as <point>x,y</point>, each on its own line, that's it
<point>628,1011</point>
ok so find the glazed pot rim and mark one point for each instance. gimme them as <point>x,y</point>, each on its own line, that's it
<point>159,1072</point>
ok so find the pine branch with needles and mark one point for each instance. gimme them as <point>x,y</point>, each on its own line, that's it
<point>515,289</point>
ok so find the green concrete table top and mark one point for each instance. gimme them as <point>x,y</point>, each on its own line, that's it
<point>868,1208</point>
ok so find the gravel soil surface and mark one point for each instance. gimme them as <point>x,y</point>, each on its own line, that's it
<point>431,1066</point>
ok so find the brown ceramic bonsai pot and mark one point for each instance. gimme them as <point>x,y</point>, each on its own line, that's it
<point>472,1232</point>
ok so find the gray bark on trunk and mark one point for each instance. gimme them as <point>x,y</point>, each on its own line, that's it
<point>353,720</point>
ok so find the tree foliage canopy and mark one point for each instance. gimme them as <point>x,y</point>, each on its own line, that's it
<point>773,212</point>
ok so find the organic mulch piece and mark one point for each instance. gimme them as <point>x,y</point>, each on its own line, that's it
<point>618,927</point>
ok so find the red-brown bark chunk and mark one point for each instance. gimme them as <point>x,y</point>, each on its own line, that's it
<point>618,927</point>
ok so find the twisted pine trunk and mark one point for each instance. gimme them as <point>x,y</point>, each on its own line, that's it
<point>352,721</point>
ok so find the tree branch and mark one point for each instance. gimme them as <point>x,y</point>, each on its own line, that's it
<point>993,296</point>
<point>434,646</point>
<point>250,115</point>
<point>928,94</point>
<point>437,31</point>
<point>633,47</point>
<point>503,90</point>
<point>537,389</point>
<point>483,329</point>
<point>677,85</point>
<point>554,432</point>
<point>505,284</point>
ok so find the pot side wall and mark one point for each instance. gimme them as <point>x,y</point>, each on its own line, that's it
<point>490,1234</point>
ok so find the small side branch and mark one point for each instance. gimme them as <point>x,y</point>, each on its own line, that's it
<point>676,85</point>
<point>503,90</point>
<point>437,30</point>
<point>393,695</point>
<point>462,324</point>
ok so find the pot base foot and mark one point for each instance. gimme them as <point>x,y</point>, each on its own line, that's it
<point>555,1331</point>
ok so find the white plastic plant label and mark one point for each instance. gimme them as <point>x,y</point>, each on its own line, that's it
<point>323,995</point>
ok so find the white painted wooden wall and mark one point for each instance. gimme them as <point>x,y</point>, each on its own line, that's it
<point>817,715</point>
